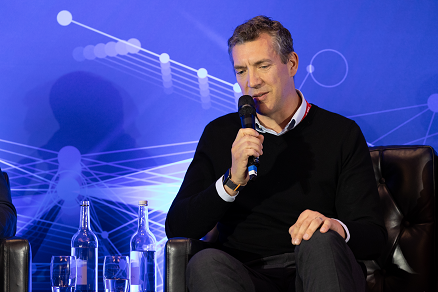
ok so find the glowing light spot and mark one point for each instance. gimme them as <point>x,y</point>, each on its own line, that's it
<point>121,48</point>
<point>89,52</point>
<point>104,234</point>
<point>68,189</point>
<point>69,157</point>
<point>202,73</point>
<point>236,88</point>
<point>310,68</point>
<point>78,54</point>
<point>64,18</point>
<point>164,58</point>
<point>110,49</point>
<point>432,102</point>
<point>132,49</point>
<point>99,50</point>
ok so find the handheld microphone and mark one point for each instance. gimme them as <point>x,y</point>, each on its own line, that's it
<point>247,112</point>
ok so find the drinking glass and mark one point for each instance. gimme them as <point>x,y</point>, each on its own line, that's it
<point>116,273</point>
<point>63,273</point>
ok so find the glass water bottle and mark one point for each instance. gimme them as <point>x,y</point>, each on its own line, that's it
<point>84,246</point>
<point>143,257</point>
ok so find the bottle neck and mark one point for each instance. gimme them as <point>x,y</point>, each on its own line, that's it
<point>143,221</point>
<point>84,222</point>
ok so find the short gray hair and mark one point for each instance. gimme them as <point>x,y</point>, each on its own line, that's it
<point>251,30</point>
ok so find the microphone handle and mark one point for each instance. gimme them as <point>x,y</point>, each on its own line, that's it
<point>248,121</point>
<point>253,163</point>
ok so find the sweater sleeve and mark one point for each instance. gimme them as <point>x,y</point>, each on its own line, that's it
<point>357,199</point>
<point>8,214</point>
<point>198,207</point>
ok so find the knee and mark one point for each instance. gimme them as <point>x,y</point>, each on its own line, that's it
<point>205,259</point>
<point>319,241</point>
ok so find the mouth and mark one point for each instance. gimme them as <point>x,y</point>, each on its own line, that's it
<point>260,96</point>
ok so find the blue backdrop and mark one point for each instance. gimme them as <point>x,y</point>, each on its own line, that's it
<point>105,100</point>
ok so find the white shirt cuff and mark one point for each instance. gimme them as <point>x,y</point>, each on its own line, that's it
<point>222,193</point>
<point>347,233</point>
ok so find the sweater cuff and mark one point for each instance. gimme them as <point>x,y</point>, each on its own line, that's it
<point>347,233</point>
<point>222,193</point>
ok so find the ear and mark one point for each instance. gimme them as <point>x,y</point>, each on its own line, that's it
<point>292,63</point>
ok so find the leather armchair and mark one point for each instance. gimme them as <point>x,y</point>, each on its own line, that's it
<point>15,263</point>
<point>405,177</point>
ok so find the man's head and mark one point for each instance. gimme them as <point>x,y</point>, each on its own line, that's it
<point>251,30</point>
<point>265,64</point>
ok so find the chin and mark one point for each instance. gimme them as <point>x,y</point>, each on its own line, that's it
<point>261,112</point>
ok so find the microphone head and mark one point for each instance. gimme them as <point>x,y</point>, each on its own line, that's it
<point>246,106</point>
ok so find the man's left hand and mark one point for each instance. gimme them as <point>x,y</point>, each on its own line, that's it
<point>308,222</point>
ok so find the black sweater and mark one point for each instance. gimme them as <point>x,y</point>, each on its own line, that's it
<point>322,165</point>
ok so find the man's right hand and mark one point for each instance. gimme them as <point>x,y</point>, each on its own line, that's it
<point>248,143</point>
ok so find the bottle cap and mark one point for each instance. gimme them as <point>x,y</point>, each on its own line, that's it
<point>143,203</point>
<point>85,203</point>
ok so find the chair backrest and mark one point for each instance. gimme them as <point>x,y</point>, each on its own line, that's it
<point>405,177</point>
<point>15,261</point>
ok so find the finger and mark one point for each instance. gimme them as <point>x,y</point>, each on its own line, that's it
<point>326,226</point>
<point>291,231</point>
<point>261,138</point>
<point>240,147</point>
<point>244,147</point>
<point>241,153</point>
<point>307,228</point>
<point>303,216</point>
<point>247,132</point>
<point>249,142</point>
<point>248,135</point>
<point>314,225</point>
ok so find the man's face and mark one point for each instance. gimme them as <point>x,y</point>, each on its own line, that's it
<point>261,74</point>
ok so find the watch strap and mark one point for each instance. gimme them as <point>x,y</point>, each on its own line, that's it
<point>229,183</point>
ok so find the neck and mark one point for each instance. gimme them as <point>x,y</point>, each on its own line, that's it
<point>279,121</point>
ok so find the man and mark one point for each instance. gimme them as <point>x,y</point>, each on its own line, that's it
<point>313,209</point>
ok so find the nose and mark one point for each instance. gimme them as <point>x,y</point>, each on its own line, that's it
<point>254,80</point>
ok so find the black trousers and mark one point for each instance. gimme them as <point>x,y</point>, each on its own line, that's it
<point>323,263</point>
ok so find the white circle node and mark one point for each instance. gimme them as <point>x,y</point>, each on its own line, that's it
<point>69,157</point>
<point>99,50</point>
<point>202,73</point>
<point>164,58</point>
<point>346,68</point>
<point>78,54</point>
<point>432,102</point>
<point>110,49</point>
<point>310,68</point>
<point>89,52</point>
<point>136,45</point>
<point>237,88</point>
<point>64,18</point>
<point>68,189</point>
<point>121,48</point>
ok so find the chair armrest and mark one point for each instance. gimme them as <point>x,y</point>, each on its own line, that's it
<point>15,265</point>
<point>177,254</point>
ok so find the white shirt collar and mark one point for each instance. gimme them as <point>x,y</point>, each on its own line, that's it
<point>296,119</point>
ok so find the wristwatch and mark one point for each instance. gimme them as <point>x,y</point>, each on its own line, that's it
<point>229,183</point>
